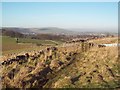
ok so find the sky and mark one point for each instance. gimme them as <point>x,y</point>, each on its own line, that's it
<point>83,15</point>
<point>60,0</point>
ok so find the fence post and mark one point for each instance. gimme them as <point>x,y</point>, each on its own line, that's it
<point>82,46</point>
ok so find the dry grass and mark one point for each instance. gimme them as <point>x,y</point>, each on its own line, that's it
<point>96,68</point>
<point>92,64</point>
<point>107,40</point>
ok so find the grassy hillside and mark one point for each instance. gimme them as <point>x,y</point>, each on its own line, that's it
<point>9,44</point>
<point>36,41</point>
<point>65,67</point>
<point>107,40</point>
<point>96,68</point>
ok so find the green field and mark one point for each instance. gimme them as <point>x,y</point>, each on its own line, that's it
<point>9,44</point>
<point>36,41</point>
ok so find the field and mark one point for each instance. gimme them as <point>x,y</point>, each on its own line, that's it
<point>65,67</point>
<point>10,46</point>
<point>107,40</point>
<point>43,42</point>
<point>90,70</point>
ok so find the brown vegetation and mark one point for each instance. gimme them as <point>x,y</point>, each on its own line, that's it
<point>64,66</point>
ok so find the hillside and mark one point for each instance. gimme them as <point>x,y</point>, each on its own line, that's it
<point>58,31</point>
<point>10,46</point>
<point>11,33</point>
<point>97,68</point>
<point>55,30</point>
<point>16,29</point>
<point>64,66</point>
<point>45,30</point>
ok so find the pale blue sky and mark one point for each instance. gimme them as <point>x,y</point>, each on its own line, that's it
<point>60,0</point>
<point>98,15</point>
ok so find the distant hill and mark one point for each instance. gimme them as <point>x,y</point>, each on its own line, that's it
<point>56,30</point>
<point>46,30</point>
<point>20,33</point>
<point>11,33</point>
<point>15,29</point>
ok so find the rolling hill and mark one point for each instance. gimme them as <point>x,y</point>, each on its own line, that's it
<point>45,30</point>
